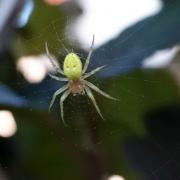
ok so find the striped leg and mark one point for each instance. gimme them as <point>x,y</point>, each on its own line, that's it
<point>91,96</point>
<point>89,56</point>
<point>63,98</point>
<point>58,78</point>
<point>57,68</point>
<point>93,72</point>
<point>95,88</point>
<point>59,91</point>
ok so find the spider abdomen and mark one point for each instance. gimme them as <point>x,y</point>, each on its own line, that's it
<point>72,66</point>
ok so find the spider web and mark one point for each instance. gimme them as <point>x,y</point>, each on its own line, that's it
<point>129,92</point>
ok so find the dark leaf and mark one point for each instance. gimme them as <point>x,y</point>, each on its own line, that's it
<point>129,49</point>
<point>9,98</point>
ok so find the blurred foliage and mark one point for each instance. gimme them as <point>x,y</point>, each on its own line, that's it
<point>43,150</point>
<point>127,51</point>
<point>46,24</point>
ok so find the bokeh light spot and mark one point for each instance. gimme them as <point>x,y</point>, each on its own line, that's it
<point>8,125</point>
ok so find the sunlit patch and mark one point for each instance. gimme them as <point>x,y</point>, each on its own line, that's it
<point>7,124</point>
<point>115,177</point>
<point>33,68</point>
<point>107,19</point>
<point>160,58</point>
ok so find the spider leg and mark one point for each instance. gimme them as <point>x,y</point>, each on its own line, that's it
<point>91,96</point>
<point>89,56</point>
<point>95,88</point>
<point>58,69</point>
<point>93,72</point>
<point>59,91</point>
<point>58,78</point>
<point>63,98</point>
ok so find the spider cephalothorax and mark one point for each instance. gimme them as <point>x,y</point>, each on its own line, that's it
<point>77,87</point>
<point>75,74</point>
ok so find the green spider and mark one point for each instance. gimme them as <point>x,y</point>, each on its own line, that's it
<point>76,79</point>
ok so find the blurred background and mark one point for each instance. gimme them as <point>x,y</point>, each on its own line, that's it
<point>139,42</point>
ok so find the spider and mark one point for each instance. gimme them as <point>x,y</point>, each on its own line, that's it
<point>75,76</point>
